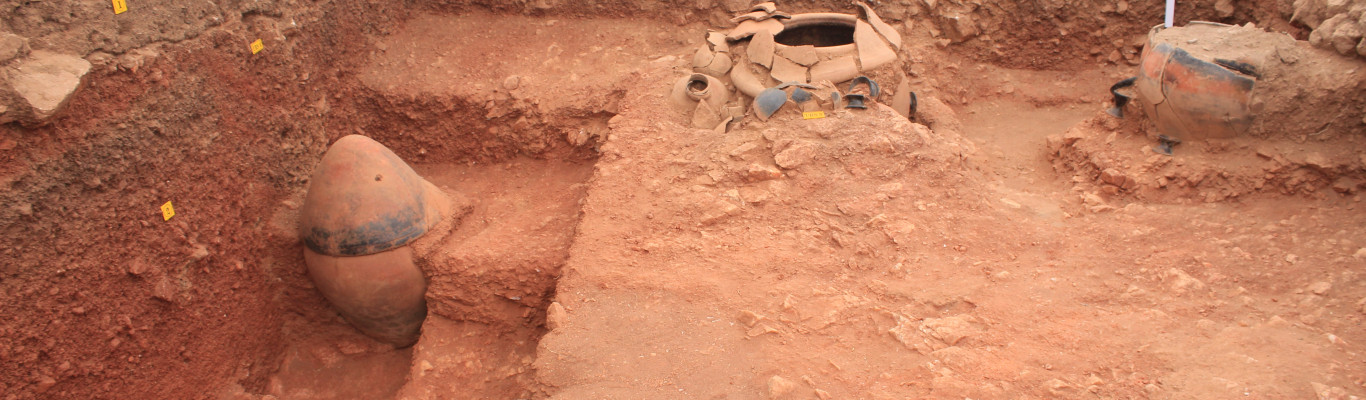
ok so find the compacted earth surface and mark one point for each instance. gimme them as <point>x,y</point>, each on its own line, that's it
<point>1011,240</point>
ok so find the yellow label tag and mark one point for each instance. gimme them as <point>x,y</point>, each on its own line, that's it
<point>813,114</point>
<point>119,6</point>
<point>257,46</point>
<point>167,211</point>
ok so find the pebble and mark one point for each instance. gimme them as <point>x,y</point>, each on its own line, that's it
<point>44,383</point>
<point>555,316</point>
<point>512,82</point>
<point>950,330</point>
<point>1360,254</point>
<point>1320,288</point>
<point>795,155</point>
<point>779,387</point>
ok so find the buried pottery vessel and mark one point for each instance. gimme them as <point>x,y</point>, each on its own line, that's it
<point>364,208</point>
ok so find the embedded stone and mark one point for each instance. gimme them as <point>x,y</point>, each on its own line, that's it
<point>46,81</point>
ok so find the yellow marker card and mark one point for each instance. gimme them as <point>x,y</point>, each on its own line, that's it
<point>813,114</point>
<point>167,211</point>
<point>257,46</point>
<point>120,6</point>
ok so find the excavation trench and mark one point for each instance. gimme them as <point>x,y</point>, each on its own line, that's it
<point>490,275</point>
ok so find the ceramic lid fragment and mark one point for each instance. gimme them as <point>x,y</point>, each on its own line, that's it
<point>702,57</point>
<point>760,50</point>
<point>803,55</point>
<point>767,7</point>
<point>835,70</point>
<point>886,30</point>
<point>705,116</point>
<point>753,16</point>
<point>717,41</point>
<point>748,28</point>
<point>873,52</point>
<point>787,71</point>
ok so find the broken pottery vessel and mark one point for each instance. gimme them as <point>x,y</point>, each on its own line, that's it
<point>364,210</point>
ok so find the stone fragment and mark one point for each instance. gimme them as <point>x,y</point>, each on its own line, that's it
<point>717,210</point>
<point>555,316</point>
<point>1224,8</point>
<point>164,290</point>
<point>759,173</point>
<point>795,155</point>
<point>823,395</point>
<point>749,318</point>
<point>512,82</point>
<point>1320,288</point>
<point>779,387</point>
<point>46,80</point>
<point>1180,282</point>
<point>45,382</point>
<point>12,46</point>
<point>1346,37</point>
<point>960,28</point>
<point>949,330</point>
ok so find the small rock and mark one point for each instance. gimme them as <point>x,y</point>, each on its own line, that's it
<point>1345,185</point>
<point>1057,387</point>
<point>960,28</point>
<point>759,173</point>
<point>164,290</point>
<point>760,330</point>
<point>138,267</point>
<point>555,316</point>
<point>199,252</point>
<point>1360,254</point>
<point>749,318</point>
<point>1344,39</point>
<point>26,209</point>
<point>1291,258</point>
<point>1317,160</point>
<point>1180,281</point>
<point>718,210</point>
<point>795,155</point>
<point>1320,288</point>
<point>512,82</point>
<point>742,149</point>
<point>1094,380</point>
<point>779,387</point>
<point>44,383</point>
<point>821,394</point>
<point>1224,8</point>
<point>949,330</point>
<point>12,46</point>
